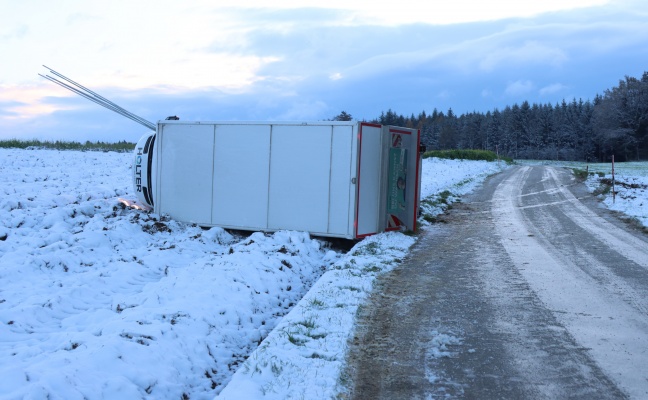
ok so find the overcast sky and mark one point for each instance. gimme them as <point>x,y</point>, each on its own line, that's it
<point>303,60</point>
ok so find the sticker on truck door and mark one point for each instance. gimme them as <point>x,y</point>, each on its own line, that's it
<point>401,171</point>
<point>397,181</point>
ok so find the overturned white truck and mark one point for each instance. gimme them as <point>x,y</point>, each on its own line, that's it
<point>337,179</point>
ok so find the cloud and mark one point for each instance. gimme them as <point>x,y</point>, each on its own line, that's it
<point>444,94</point>
<point>531,52</point>
<point>10,109</point>
<point>304,110</point>
<point>412,12</point>
<point>551,89</point>
<point>519,88</point>
<point>82,18</point>
<point>260,63</point>
<point>25,102</point>
<point>16,32</point>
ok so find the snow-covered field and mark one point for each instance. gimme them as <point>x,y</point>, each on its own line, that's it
<point>98,300</point>
<point>631,185</point>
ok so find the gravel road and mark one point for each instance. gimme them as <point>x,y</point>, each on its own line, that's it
<point>528,291</point>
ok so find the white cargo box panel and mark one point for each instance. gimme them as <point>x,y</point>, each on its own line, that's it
<point>327,178</point>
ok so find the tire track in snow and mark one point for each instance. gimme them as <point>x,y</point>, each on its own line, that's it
<point>615,332</point>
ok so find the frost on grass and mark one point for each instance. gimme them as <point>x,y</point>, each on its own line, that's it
<point>304,355</point>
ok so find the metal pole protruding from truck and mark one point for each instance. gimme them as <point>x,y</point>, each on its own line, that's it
<point>95,97</point>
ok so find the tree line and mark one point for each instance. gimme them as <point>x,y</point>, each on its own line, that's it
<point>121,146</point>
<point>615,123</point>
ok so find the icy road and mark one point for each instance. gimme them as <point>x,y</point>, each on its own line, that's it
<point>530,292</point>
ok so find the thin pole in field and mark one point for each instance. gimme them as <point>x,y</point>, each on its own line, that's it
<point>613,189</point>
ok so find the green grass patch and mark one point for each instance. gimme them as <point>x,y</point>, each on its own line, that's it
<point>122,146</point>
<point>605,188</point>
<point>475,155</point>
<point>369,249</point>
<point>315,303</point>
<point>323,357</point>
<point>294,339</point>
<point>580,174</point>
<point>443,196</point>
<point>309,323</point>
<point>440,201</point>
<point>372,269</point>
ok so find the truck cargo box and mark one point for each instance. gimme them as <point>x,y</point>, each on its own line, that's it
<point>338,179</point>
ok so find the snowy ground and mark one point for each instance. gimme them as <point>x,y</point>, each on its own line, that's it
<point>102,301</point>
<point>631,185</point>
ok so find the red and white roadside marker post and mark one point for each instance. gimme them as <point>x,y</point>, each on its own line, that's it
<point>613,183</point>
